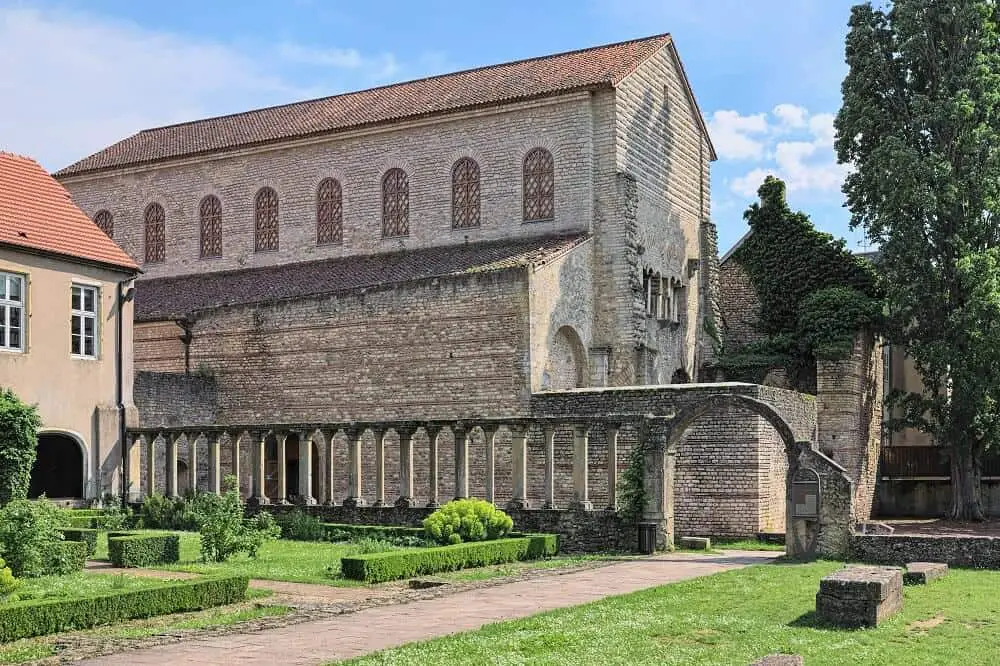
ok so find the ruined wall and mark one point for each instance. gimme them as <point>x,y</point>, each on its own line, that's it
<point>158,347</point>
<point>739,307</point>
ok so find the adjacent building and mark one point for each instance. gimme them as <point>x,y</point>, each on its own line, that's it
<point>65,331</point>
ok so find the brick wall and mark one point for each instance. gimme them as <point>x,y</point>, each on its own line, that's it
<point>739,307</point>
<point>175,400</point>
<point>158,347</point>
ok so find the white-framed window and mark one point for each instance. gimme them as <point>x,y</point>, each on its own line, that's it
<point>83,321</point>
<point>12,299</point>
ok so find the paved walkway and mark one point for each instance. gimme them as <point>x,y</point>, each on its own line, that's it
<point>355,634</point>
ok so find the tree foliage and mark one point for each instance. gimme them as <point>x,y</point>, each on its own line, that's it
<point>224,528</point>
<point>814,294</point>
<point>920,123</point>
<point>19,424</point>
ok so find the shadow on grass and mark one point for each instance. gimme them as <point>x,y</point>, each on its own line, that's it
<point>812,620</point>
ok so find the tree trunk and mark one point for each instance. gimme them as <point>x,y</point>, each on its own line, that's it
<point>966,470</point>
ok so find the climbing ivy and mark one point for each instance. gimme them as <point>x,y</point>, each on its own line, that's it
<point>19,423</point>
<point>632,491</point>
<point>814,294</point>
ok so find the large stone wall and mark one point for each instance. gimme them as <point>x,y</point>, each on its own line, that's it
<point>498,139</point>
<point>167,399</point>
<point>739,307</point>
<point>899,550</point>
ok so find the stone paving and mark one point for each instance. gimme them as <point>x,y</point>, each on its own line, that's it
<point>355,634</point>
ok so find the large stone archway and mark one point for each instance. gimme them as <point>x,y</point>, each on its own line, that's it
<point>567,360</point>
<point>59,469</point>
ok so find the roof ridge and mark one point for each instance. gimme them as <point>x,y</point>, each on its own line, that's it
<point>650,38</point>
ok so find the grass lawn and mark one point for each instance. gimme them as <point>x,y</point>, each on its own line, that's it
<point>746,544</point>
<point>735,618</point>
<point>292,561</point>
<point>81,585</point>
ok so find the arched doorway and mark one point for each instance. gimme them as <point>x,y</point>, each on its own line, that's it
<point>567,360</point>
<point>58,468</point>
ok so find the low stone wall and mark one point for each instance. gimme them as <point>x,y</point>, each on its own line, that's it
<point>956,551</point>
<point>579,531</point>
<point>927,498</point>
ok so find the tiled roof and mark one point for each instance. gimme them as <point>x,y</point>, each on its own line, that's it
<point>601,66</point>
<point>36,213</point>
<point>174,298</point>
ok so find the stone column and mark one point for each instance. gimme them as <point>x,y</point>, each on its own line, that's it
<point>379,467</point>
<point>405,500</point>
<point>489,435</point>
<point>612,435</point>
<point>329,490</point>
<point>550,467</point>
<point>151,463</point>
<point>354,497</point>
<point>193,462</point>
<point>432,466</point>
<point>669,476</point>
<point>282,439</point>
<point>462,436</point>
<point>581,441</point>
<point>258,494</point>
<point>519,460</point>
<point>305,469</point>
<point>215,464</point>
<point>235,459</point>
<point>134,489</point>
<point>172,443</point>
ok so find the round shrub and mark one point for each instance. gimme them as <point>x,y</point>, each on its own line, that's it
<point>28,529</point>
<point>8,584</point>
<point>467,520</point>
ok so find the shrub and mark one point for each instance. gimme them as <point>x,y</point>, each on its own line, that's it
<point>399,536</point>
<point>8,584</point>
<point>19,424</point>
<point>226,531</point>
<point>163,513</point>
<point>64,557</point>
<point>87,536</point>
<point>26,530</point>
<point>300,526</point>
<point>46,616</point>
<point>382,567</point>
<point>467,520</point>
<point>143,550</point>
<point>368,545</point>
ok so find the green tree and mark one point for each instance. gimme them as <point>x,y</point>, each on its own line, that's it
<point>19,424</point>
<point>919,124</point>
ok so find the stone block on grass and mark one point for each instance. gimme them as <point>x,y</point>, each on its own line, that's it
<point>857,597</point>
<point>921,573</point>
<point>696,543</point>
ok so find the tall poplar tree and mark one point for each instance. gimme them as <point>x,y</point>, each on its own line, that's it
<point>920,124</point>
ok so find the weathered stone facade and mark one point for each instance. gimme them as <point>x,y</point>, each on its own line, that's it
<point>900,549</point>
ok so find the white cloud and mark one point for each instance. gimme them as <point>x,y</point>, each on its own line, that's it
<point>74,82</point>
<point>798,149</point>
<point>732,134</point>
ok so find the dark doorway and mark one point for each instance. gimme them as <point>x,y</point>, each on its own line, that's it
<point>58,469</point>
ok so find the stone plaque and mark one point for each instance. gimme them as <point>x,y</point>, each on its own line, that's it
<point>805,494</point>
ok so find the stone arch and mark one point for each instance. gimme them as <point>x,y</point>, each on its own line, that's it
<point>60,469</point>
<point>683,420</point>
<point>567,360</point>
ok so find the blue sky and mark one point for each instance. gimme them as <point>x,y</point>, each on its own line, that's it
<point>82,74</point>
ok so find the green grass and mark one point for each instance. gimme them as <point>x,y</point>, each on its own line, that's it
<point>735,618</point>
<point>746,544</point>
<point>25,651</point>
<point>81,584</point>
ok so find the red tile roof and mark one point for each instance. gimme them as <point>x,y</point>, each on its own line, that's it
<point>37,214</point>
<point>601,66</point>
<point>161,299</point>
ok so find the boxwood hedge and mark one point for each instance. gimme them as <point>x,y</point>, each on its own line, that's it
<point>46,616</point>
<point>395,565</point>
<point>346,532</point>
<point>143,550</point>
<point>65,557</point>
<point>87,536</point>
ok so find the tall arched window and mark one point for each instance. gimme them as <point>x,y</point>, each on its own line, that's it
<point>105,222</point>
<point>329,213</point>
<point>539,185</point>
<point>156,243</point>
<point>395,203</point>
<point>210,213</point>
<point>266,220</point>
<point>465,194</point>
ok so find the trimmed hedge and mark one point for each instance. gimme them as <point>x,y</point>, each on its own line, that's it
<point>335,531</point>
<point>143,550</point>
<point>65,557</point>
<point>395,565</point>
<point>48,616</point>
<point>87,536</point>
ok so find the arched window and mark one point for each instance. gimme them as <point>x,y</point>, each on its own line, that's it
<point>210,213</point>
<point>156,244</point>
<point>266,220</point>
<point>465,194</point>
<point>329,213</point>
<point>539,185</point>
<point>105,222</point>
<point>395,204</point>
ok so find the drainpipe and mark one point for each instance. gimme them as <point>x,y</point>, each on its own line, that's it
<point>124,296</point>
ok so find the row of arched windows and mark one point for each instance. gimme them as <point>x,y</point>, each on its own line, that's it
<point>538,202</point>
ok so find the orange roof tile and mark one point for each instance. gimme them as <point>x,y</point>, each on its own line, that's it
<point>597,67</point>
<point>36,213</point>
